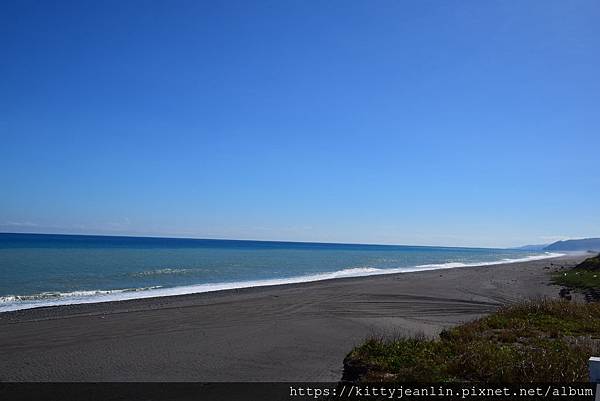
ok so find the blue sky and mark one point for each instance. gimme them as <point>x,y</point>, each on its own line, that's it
<point>411,122</point>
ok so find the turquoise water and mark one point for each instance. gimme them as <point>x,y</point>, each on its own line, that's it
<point>42,270</point>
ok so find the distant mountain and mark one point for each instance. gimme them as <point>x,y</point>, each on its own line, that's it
<point>539,247</point>
<point>586,244</point>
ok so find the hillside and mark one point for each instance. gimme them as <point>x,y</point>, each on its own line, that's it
<point>586,244</point>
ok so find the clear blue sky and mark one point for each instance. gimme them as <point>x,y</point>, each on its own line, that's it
<point>417,122</point>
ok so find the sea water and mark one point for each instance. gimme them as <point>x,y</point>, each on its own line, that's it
<point>43,270</point>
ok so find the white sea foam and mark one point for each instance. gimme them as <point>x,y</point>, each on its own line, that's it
<point>17,302</point>
<point>46,296</point>
<point>158,272</point>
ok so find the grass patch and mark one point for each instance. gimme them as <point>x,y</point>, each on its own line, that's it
<point>536,341</point>
<point>578,278</point>
<point>583,278</point>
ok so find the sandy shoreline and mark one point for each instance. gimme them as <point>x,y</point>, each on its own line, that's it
<point>287,332</point>
<point>98,296</point>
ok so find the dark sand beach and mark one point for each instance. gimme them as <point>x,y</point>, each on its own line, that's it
<point>297,332</point>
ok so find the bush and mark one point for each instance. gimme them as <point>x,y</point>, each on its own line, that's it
<point>535,341</point>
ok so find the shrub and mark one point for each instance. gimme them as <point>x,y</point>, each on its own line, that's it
<point>535,341</point>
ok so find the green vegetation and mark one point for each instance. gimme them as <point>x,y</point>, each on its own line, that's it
<point>585,278</point>
<point>590,263</point>
<point>536,341</point>
<point>578,279</point>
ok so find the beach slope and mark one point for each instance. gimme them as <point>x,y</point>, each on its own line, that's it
<point>298,332</point>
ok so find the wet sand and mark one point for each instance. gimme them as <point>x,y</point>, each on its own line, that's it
<point>296,332</point>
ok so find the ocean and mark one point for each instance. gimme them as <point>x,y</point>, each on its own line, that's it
<point>44,270</point>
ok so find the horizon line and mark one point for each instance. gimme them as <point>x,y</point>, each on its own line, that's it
<point>264,240</point>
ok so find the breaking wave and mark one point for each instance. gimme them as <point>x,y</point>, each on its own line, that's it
<point>17,302</point>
